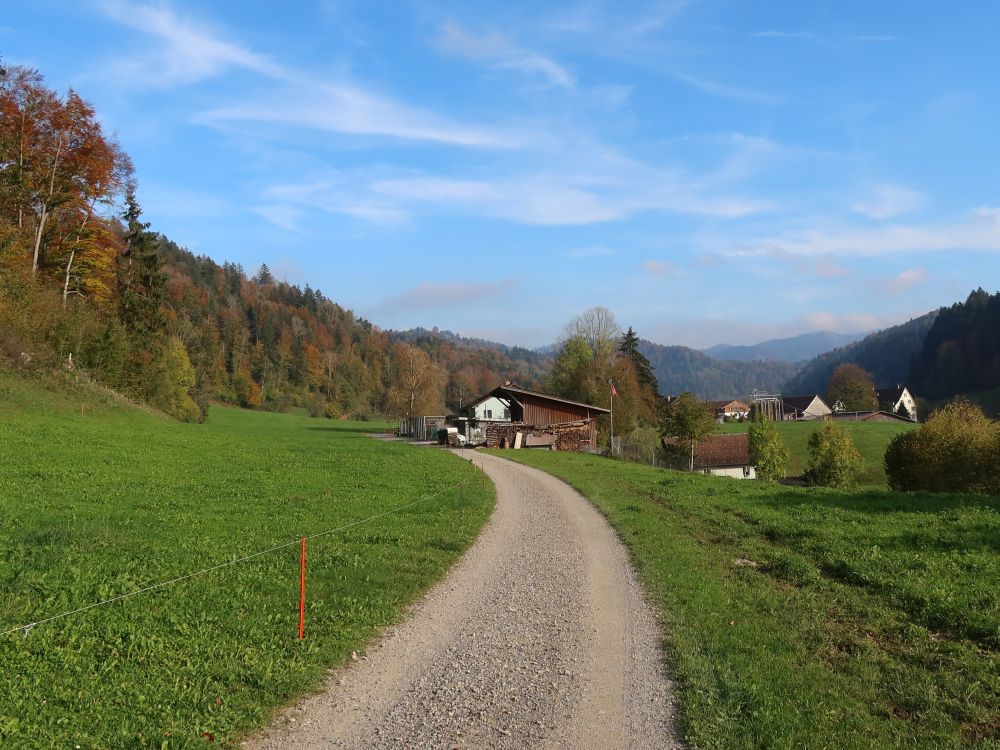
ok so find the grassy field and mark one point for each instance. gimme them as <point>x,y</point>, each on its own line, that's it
<point>809,618</point>
<point>871,439</point>
<point>99,499</point>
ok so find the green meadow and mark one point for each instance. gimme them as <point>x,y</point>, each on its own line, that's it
<point>99,498</point>
<point>871,439</point>
<point>811,618</point>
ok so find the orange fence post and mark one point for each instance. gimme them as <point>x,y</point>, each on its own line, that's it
<point>302,591</point>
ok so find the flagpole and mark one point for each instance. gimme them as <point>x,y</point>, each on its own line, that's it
<point>612,443</point>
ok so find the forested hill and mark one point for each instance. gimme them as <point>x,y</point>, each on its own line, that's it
<point>961,352</point>
<point>259,342</point>
<point>679,369</point>
<point>886,354</point>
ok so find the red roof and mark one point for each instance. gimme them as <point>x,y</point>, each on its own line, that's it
<point>720,450</point>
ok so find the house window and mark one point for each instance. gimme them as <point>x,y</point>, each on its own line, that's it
<point>746,472</point>
<point>489,414</point>
<point>506,413</point>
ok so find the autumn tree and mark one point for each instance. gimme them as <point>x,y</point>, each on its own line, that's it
<point>417,382</point>
<point>853,387</point>
<point>688,420</point>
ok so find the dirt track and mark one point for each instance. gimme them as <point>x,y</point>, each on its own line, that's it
<point>538,637</point>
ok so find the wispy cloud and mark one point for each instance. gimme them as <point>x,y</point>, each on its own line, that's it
<point>887,201</point>
<point>808,35</point>
<point>726,91</point>
<point>977,231</point>
<point>499,51</point>
<point>907,279</point>
<point>445,293</point>
<point>191,52</point>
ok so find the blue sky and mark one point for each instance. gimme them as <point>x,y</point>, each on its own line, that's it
<point>712,171</point>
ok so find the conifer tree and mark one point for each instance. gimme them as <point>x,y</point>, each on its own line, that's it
<point>629,347</point>
<point>139,277</point>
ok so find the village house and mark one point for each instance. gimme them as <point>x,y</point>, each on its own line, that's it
<point>717,455</point>
<point>729,409</point>
<point>891,399</point>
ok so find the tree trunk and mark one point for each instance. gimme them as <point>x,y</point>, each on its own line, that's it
<point>69,267</point>
<point>692,455</point>
<point>45,205</point>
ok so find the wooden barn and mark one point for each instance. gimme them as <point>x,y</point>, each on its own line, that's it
<point>542,419</point>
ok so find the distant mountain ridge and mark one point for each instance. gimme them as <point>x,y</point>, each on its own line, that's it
<point>799,348</point>
<point>886,354</point>
<point>679,369</point>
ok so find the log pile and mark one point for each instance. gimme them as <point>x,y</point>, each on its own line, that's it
<point>567,436</point>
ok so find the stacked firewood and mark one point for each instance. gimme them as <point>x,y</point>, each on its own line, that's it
<point>567,436</point>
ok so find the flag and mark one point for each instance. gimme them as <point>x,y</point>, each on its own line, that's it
<point>614,391</point>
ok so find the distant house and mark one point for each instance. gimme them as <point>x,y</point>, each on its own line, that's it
<point>804,407</point>
<point>730,409</point>
<point>890,399</point>
<point>719,455</point>
<point>538,417</point>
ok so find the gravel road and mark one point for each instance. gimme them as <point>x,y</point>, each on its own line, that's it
<point>540,636</point>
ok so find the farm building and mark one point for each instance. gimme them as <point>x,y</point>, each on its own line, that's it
<point>539,419</point>
<point>804,407</point>
<point>717,455</point>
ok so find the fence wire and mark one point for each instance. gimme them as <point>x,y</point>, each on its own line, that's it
<point>27,628</point>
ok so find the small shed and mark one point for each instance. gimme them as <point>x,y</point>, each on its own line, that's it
<point>423,427</point>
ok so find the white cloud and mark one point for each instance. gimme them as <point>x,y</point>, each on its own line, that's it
<point>907,279</point>
<point>887,201</point>
<point>499,51</point>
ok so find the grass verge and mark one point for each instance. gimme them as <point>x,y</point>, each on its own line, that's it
<point>812,618</point>
<point>99,498</point>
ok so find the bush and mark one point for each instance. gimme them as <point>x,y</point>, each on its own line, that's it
<point>834,461</point>
<point>767,450</point>
<point>955,451</point>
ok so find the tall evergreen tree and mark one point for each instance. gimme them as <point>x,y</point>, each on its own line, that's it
<point>629,347</point>
<point>139,277</point>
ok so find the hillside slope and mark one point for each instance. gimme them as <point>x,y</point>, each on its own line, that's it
<point>886,354</point>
